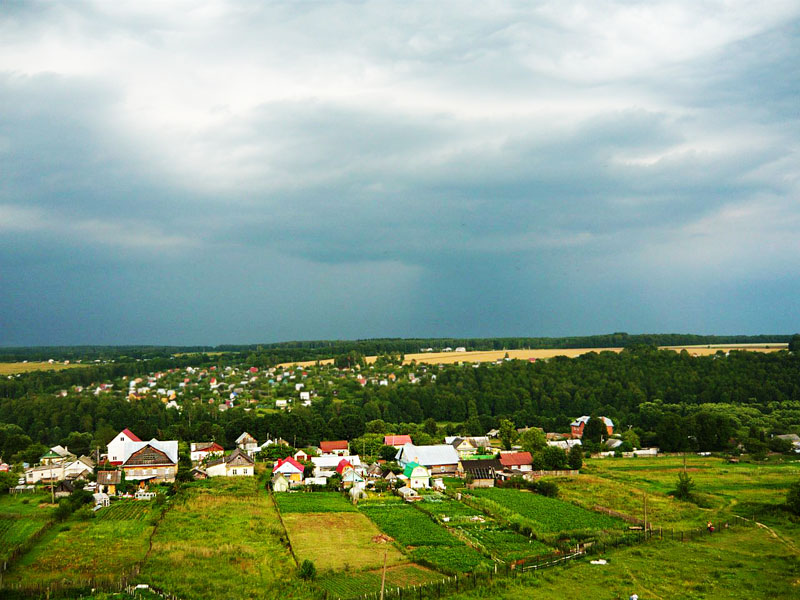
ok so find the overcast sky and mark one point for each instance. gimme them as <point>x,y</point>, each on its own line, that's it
<point>238,172</point>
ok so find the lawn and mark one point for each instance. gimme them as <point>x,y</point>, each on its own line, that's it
<point>221,539</point>
<point>339,541</point>
<point>313,502</point>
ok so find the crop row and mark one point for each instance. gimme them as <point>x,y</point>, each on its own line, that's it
<point>549,515</point>
<point>347,584</point>
<point>125,510</point>
<point>408,526</point>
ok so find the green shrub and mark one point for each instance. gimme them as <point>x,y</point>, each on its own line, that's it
<point>307,570</point>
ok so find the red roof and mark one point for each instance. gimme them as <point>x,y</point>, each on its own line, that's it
<point>342,464</point>
<point>291,461</point>
<point>515,459</point>
<point>396,440</point>
<point>336,445</point>
<point>131,435</point>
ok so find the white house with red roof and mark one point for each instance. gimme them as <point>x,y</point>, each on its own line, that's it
<point>290,469</point>
<point>117,447</point>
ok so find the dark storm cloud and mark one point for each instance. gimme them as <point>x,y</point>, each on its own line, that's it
<point>242,172</point>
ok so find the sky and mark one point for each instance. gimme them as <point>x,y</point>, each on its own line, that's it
<point>242,172</point>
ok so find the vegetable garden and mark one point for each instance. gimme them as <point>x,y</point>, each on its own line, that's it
<point>313,502</point>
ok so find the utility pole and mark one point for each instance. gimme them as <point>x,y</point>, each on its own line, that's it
<point>645,515</point>
<point>383,577</point>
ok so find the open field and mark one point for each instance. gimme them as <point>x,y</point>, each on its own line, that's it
<point>408,526</point>
<point>339,541</point>
<point>738,564</point>
<point>543,353</point>
<point>27,367</point>
<point>221,539</point>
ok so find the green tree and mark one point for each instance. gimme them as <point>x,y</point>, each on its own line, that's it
<point>508,434</point>
<point>684,486</point>
<point>631,437</point>
<point>533,440</point>
<point>594,430</point>
<point>554,458</point>
<point>430,427</point>
<point>575,458</point>
<point>387,453</point>
<point>794,343</point>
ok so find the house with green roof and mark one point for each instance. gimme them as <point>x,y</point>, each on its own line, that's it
<point>416,476</point>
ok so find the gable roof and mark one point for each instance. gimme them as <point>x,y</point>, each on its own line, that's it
<point>140,457</point>
<point>330,446</point>
<point>131,435</point>
<point>396,440</point>
<point>439,454</point>
<point>585,419</point>
<point>481,464</point>
<point>410,469</point>
<point>245,438</point>
<point>343,464</point>
<point>515,459</point>
<point>288,465</point>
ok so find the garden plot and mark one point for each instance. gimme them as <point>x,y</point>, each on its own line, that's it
<point>339,541</point>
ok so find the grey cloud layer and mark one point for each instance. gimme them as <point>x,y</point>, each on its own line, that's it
<point>343,170</point>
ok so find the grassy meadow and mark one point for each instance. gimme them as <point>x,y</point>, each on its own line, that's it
<point>737,564</point>
<point>21,517</point>
<point>221,539</point>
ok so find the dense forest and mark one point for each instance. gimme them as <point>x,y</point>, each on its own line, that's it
<point>669,399</point>
<point>273,353</point>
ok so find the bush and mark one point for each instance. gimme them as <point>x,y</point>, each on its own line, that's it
<point>683,488</point>
<point>307,570</point>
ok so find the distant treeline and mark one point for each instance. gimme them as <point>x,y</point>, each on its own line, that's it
<point>272,353</point>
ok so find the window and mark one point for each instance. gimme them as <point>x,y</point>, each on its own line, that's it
<point>234,471</point>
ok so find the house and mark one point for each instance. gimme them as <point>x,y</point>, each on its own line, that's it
<point>290,469</point>
<point>80,468</point>
<point>522,461</point>
<point>579,423</point>
<point>440,459</point>
<point>565,445</point>
<point>397,441</point>
<point>416,476</point>
<point>117,447</point>
<point>374,471</point>
<point>63,489</point>
<point>408,494</point>
<point>44,473</point>
<point>280,483</point>
<point>247,443</point>
<point>351,478</point>
<point>4,467</point>
<point>201,450</point>
<point>463,446</point>
<point>101,500</point>
<point>50,458</point>
<point>153,460</point>
<point>343,465</point>
<point>107,481</point>
<point>338,447</point>
<point>492,433</point>
<point>325,465</point>
<point>390,477</point>
<point>301,456</point>
<point>199,473</point>
<point>237,464</point>
<point>316,481</point>
<point>481,471</point>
